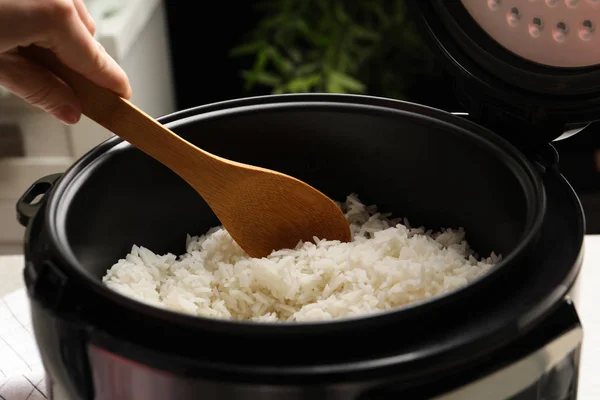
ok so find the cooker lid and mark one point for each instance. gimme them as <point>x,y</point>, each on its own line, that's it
<point>530,67</point>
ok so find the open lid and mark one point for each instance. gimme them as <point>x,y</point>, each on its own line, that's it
<point>528,68</point>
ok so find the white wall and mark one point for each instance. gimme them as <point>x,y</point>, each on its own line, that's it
<point>137,38</point>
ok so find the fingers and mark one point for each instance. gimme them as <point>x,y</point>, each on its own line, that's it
<point>39,87</point>
<point>66,28</point>
<point>85,16</point>
<point>74,45</point>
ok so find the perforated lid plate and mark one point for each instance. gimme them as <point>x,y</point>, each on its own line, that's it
<point>531,67</point>
<point>558,33</point>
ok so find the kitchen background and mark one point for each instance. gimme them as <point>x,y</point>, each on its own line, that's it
<point>182,54</point>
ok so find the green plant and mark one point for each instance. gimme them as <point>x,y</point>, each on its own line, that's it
<point>333,46</point>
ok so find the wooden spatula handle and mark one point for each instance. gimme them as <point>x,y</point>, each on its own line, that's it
<point>124,119</point>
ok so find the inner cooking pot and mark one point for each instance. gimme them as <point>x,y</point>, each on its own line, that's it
<point>434,168</point>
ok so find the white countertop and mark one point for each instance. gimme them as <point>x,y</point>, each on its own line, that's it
<point>588,307</point>
<point>587,302</point>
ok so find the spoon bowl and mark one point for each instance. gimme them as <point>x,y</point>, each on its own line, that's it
<point>262,210</point>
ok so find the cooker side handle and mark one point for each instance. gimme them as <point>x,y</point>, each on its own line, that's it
<point>32,199</point>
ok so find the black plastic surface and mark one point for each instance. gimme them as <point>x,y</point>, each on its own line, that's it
<point>26,206</point>
<point>434,343</point>
<point>413,161</point>
<point>405,164</point>
<point>116,196</point>
<point>559,383</point>
<point>62,344</point>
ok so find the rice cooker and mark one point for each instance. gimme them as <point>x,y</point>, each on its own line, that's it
<point>527,73</point>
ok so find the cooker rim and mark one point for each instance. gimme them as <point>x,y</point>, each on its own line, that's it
<point>502,328</point>
<point>494,143</point>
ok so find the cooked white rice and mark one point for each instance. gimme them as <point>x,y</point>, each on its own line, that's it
<point>387,265</point>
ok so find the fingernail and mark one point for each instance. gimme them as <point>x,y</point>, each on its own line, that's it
<point>68,115</point>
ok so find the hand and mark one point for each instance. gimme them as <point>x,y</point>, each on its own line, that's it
<point>66,28</point>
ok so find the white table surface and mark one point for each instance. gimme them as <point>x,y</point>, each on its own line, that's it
<point>587,301</point>
<point>588,307</point>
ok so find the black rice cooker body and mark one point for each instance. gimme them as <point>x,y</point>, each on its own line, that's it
<point>434,168</point>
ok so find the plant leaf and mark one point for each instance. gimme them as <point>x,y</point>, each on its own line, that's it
<point>283,65</point>
<point>295,54</point>
<point>346,82</point>
<point>247,48</point>
<point>334,87</point>
<point>259,65</point>
<point>376,7</point>
<point>360,32</point>
<point>263,77</point>
<point>304,84</point>
<point>277,20</point>
<point>312,36</point>
<point>306,69</point>
<point>340,13</point>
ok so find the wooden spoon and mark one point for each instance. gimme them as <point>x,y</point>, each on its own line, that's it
<point>262,210</point>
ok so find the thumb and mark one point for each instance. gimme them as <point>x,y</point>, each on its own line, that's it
<point>39,87</point>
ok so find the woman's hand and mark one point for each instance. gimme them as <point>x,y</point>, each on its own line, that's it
<point>66,28</point>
